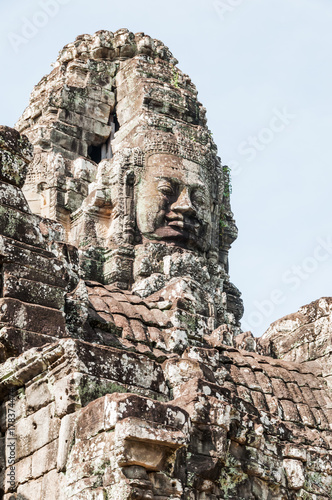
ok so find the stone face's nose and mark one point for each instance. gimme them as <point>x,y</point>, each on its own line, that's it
<point>183,204</point>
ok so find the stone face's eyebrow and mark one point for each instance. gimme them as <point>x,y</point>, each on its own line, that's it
<point>196,185</point>
<point>166,178</point>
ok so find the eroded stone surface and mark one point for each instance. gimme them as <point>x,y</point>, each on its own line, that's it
<point>304,336</point>
<point>122,357</point>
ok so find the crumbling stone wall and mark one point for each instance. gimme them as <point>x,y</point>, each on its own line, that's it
<point>210,423</point>
<point>304,337</point>
<point>135,385</point>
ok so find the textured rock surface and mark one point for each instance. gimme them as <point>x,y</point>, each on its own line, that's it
<point>124,373</point>
<point>37,268</point>
<point>304,336</point>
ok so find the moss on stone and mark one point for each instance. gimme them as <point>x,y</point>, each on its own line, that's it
<point>92,390</point>
<point>231,477</point>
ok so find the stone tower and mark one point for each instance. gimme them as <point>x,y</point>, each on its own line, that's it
<point>114,114</point>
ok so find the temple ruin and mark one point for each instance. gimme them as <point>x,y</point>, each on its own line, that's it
<point>124,371</point>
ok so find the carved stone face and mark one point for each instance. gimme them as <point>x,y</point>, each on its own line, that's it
<point>174,202</point>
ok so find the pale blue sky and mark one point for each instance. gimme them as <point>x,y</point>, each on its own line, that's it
<point>251,63</point>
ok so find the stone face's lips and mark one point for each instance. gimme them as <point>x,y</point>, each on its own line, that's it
<point>172,231</point>
<point>176,223</point>
<point>179,229</point>
<point>188,224</point>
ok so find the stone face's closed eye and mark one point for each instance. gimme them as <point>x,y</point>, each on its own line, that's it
<point>166,188</point>
<point>198,197</point>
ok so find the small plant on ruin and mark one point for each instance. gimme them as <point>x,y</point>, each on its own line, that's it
<point>175,77</point>
<point>222,222</point>
<point>228,185</point>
